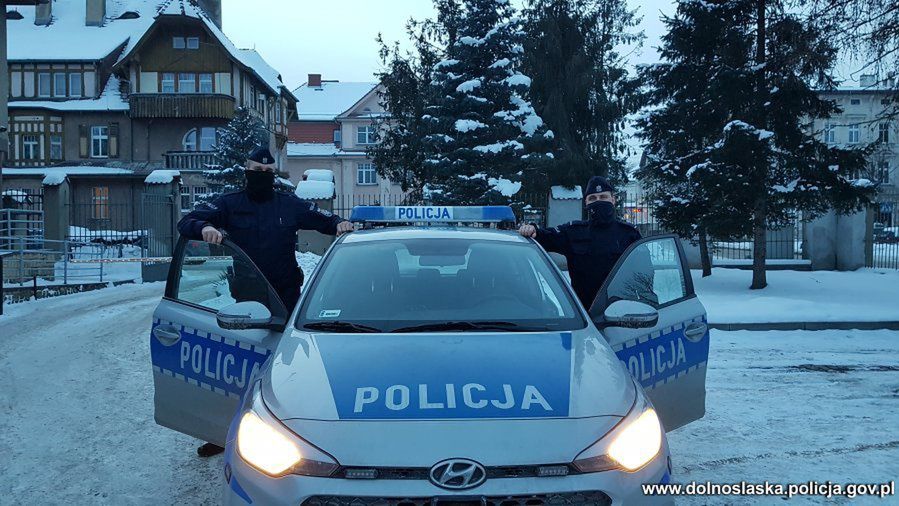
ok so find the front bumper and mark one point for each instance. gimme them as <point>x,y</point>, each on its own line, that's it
<point>244,485</point>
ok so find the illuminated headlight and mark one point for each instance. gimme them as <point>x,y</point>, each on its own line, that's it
<point>629,447</point>
<point>264,443</point>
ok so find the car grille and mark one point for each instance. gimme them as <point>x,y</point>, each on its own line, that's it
<point>563,499</point>
<point>422,473</point>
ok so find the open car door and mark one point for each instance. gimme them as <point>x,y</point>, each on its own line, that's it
<point>650,315</point>
<point>200,370</point>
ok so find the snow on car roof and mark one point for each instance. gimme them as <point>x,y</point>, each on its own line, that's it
<point>395,233</point>
<point>331,99</point>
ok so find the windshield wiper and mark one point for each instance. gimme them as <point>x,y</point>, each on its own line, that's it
<point>339,326</point>
<point>465,325</point>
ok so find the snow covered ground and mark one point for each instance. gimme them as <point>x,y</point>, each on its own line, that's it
<point>800,296</point>
<point>77,424</point>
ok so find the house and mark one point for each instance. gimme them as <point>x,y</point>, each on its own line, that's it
<point>134,85</point>
<point>334,126</point>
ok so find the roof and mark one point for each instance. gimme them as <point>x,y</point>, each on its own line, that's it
<point>331,99</point>
<point>317,150</point>
<point>423,232</point>
<point>30,42</point>
<point>53,176</point>
<point>162,176</point>
<point>562,193</point>
<point>110,100</point>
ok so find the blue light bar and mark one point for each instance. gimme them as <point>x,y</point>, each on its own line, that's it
<point>433,214</point>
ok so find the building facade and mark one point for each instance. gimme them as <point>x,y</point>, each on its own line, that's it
<point>334,127</point>
<point>138,85</point>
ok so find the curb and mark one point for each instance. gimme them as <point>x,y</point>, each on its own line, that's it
<point>888,325</point>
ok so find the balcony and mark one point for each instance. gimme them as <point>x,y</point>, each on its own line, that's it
<point>185,160</point>
<point>193,105</point>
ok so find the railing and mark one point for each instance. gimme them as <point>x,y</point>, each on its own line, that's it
<point>885,233</point>
<point>190,159</point>
<point>21,223</point>
<point>187,105</point>
<point>51,263</point>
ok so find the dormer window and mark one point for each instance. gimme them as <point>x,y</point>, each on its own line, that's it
<point>193,43</point>
<point>43,84</point>
<point>178,42</point>
<point>59,84</point>
<point>75,85</point>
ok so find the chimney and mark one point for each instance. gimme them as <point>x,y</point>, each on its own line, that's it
<point>95,13</point>
<point>213,9</point>
<point>314,81</point>
<point>867,81</point>
<point>43,13</point>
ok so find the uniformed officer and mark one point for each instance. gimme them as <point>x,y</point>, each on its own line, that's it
<point>264,224</point>
<point>593,246</point>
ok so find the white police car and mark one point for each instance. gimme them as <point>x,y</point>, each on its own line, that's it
<point>432,366</point>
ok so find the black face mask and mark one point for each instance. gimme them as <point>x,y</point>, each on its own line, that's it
<point>601,212</point>
<point>260,185</point>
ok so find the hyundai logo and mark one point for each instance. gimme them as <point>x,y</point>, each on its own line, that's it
<point>458,474</point>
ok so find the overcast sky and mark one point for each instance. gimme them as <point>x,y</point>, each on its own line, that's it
<point>337,38</point>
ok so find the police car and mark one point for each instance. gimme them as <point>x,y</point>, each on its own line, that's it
<point>432,364</point>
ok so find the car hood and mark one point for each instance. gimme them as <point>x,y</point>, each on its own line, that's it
<point>446,376</point>
<point>414,399</point>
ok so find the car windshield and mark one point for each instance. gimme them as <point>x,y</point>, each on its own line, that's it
<point>437,285</point>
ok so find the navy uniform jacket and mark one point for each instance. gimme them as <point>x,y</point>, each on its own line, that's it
<point>591,252</point>
<point>266,231</point>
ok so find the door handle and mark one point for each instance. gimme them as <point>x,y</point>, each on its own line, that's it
<point>167,334</point>
<point>695,331</point>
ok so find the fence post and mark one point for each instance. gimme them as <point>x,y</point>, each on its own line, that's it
<point>21,260</point>
<point>56,212</point>
<point>102,257</point>
<point>65,262</point>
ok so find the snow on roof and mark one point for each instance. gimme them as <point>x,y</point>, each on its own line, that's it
<point>54,179</point>
<point>317,150</point>
<point>55,175</point>
<point>162,176</point>
<point>68,38</point>
<point>562,193</point>
<point>315,190</point>
<point>110,100</point>
<point>319,175</point>
<point>331,99</point>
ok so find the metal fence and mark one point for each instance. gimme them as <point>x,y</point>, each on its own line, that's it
<point>50,263</point>
<point>885,236</point>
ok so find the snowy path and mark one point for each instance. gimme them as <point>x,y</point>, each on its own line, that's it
<point>77,424</point>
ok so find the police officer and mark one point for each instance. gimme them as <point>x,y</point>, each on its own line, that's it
<point>593,246</point>
<point>264,224</point>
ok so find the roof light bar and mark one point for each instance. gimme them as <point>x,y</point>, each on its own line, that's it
<point>432,214</point>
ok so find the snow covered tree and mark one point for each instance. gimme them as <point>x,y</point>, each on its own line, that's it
<point>581,87</point>
<point>764,163</point>
<point>236,141</point>
<point>478,129</point>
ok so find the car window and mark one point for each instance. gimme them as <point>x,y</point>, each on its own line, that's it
<point>651,273</point>
<point>393,284</point>
<point>215,276</point>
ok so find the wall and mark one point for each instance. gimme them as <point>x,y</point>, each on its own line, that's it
<point>153,138</point>
<point>312,131</point>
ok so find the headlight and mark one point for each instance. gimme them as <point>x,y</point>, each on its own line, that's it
<point>264,443</point>
<point>629,447</point>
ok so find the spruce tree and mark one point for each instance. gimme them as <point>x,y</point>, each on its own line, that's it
<point>237,140</point>
<point>581,86</point>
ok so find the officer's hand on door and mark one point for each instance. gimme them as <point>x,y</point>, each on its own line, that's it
<point>211,235</point>
<point>344,227</point>
<point>528,231</point>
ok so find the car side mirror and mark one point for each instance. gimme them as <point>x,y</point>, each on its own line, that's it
<point>244,315</point>
<point>630,314</point>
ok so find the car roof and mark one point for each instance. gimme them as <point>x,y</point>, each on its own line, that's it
<point>423,232</point>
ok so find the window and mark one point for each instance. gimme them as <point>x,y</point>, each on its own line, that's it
<point>178,42</point>
<point>186,204</point>
<point>337,136</point>
<point>854,134</point>
<point>56,147</point>
<point>219,277</point>
<point>193,43</point>
<point>260,101</point>
<point>883,133</point>
<point>365,135</point>
<point>855,101</point>
<point>412,282</point>
<point>30,147</point>
<point>206,83</point>
<point>278,113</point>
<point>99,142</point>
<point>651,274</point>
<point>200,191</point>
<point>59,85</point>
<point>100,202</point>
<point>168,83</point>
<point>43,85</point>
<point>830,134</point>
<point>365,174</point>
<point>883,172</point>
<point>208,139</point>
<point>187,83</point>
<point>189,143</point>
<point>75,85</point>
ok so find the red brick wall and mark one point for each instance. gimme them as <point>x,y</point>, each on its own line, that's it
<point>312,131</point>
